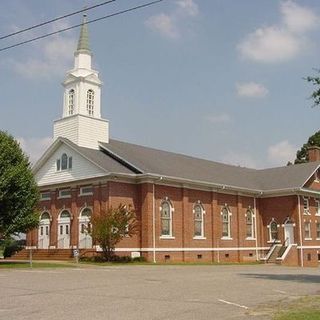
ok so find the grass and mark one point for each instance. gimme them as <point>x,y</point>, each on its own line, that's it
<point>306,308</point>
<point>35,265</point>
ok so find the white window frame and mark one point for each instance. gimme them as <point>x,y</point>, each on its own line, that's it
<point>201,236</point>
<point>253,224</point>
<point>306,207</point>
<point>59,163</point>
<point>45,195</point>
<point>228,237</point>
<point>171,210</point>
<point>83,193</point>
<point>307,223</point>
<point>61,196</point>
<point>317,207</point>
<point>317,230</point>
<point>271,239</point>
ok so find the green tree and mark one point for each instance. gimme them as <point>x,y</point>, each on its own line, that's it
<point>19,193</point>
<point>302,154</point>
<point>111,226</point>
<point>316,93</point>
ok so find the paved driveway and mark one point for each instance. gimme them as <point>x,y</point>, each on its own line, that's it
<point>150,292</point>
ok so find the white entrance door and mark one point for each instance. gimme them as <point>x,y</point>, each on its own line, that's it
<point>63,235</point>
<point>288,233</point>
<point>44,235</point>
<point>85,240</point>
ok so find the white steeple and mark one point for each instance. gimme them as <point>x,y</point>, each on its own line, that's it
<point>81,120</point>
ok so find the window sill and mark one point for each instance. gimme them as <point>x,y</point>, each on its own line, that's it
<point>85,194</point>
<point>64,197</point>
<point>226,238</point>
<point>47,199</point>
<point>318,239</point>
<point>167,237</point>
<point>278,241</point>
<point>199,238</point>
<point>250,238</point>
<point>308,239</point>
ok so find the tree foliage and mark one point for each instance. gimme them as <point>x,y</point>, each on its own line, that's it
<point>316,93</point>
<point>19,193</point>
<point>111,226</point>
<point>302,154</point>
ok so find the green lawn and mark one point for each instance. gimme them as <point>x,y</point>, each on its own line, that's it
<point>36,265</point>
<point>307,308</point>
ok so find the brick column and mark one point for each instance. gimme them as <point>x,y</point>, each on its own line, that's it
<point>54,223</point>
<point>74,223</point>
<point>239,233</point>
<point>215,214</point>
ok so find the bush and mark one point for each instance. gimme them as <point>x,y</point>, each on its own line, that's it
<point>11,247</point>
<point>139,259</point>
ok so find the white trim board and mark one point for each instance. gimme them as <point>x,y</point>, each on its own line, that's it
<point>190,249</point>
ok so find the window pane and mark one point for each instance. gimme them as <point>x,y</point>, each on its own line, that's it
<point>41,231</point>
<point>64,162</point>
<point>225,229</point>
<point>47,230</point>
<point>58,165</point>
<point>165,227</point>
<point>70,162</point>
<point>198,228</point>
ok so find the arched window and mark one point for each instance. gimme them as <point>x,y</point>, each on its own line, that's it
<point>71,102</point>
<point>166,218</point>
<point>226,222</point>
<point>90,102</point>
<point>64,162</point>
<point>86,213</point>
<point>65,214</point>
<point>273,230</point>
<point>250,224</point>
<point>198,220</point>
<point>45,216</point>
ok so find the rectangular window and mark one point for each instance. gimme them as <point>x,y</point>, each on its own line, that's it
<point>318,207</point>
<point>58,165</point>
<point>70,162</point>
<point>65,193</point>
<point>67,229</point>
<point>307,230</point>
<point>41,231</point>
<point>305,205</point>
<point>45,196</point>
<point>47,230</point>
<point>318,230</point>
<point>61,229</point>
<point>86,191</point>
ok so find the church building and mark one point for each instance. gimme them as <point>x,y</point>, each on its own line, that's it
<point>189,209</point>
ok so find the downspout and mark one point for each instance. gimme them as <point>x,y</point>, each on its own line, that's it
<point>300,230</point>
<point>153,224</point>
<point>255,225</point>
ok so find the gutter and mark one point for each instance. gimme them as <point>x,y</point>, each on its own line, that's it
<point>300,231</point>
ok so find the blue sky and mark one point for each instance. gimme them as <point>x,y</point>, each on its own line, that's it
<point>217,79</point>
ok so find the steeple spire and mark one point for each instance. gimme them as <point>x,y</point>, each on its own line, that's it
<point>83,43</point>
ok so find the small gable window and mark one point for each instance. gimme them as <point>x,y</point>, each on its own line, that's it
<point>64,163</point>
<point>71,102</point>
<point>90,102</point>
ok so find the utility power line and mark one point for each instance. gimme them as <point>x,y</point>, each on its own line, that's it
<point>56,19</point>
<point>80,24</point>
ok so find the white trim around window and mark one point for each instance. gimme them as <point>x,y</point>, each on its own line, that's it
<point>226,223</point>
<point>64,193</point>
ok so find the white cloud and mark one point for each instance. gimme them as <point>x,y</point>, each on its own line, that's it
<point>239,159</point>
<point>251,89</point>
<point>169,25</point>
<point>220,118</point>
<point>164,24</point>
<point>34,147</point>
<point>282,152</point>
<point>189,7</point>
<point>281,42</point>
<point>51,56</point>
<point>298,19</point>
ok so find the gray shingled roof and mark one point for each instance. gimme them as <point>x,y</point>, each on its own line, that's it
<point>99,158</point>
<point>153,161</point>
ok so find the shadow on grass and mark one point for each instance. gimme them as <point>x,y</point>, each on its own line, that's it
<point>300,278</point>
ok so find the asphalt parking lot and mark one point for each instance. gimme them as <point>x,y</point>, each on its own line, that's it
<point>151,292</point>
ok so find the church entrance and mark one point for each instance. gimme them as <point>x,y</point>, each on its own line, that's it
<point>85,240</point>
<point>64,222</point>
<point>288,233</point>
<point>44,231</point>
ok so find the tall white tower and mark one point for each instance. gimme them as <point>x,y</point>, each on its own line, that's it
<point>81,120</point>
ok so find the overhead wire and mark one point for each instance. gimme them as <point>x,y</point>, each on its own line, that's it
<point>56,19</point>
<point>80,24</point>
